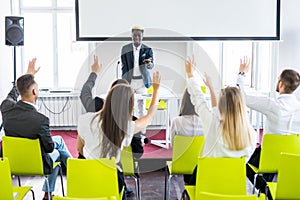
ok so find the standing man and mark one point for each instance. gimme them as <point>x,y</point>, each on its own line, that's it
<point>137,59</point>
<point>21,119</point>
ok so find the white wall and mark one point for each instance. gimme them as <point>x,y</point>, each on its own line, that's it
<point>289,47</point>
<point>6,61</point>
<point>168,59</point>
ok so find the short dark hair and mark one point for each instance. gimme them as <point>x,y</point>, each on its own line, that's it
<point>290,79</point>
<point>24,83</point>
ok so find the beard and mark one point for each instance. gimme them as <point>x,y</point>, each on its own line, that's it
<point>277,87</point>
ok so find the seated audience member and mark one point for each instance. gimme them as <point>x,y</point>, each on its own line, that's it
<point>282,113</point>
<point>226,126</point>
<point>188,123</point>
<point>105,133</point>
<point>95,104</point>
<point>21,119</point>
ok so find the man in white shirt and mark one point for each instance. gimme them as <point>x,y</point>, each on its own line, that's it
<point>137,60</point>
<point>282,113</point>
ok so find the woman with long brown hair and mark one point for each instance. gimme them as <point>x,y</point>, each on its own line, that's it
<point>103,134</point>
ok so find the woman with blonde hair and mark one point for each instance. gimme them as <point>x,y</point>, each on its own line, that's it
<point>226,125</point>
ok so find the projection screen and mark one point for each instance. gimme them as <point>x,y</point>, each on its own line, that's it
<point>98,20</point>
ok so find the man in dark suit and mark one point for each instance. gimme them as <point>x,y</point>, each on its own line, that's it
<point>137,60</point>
<point>21,119</point>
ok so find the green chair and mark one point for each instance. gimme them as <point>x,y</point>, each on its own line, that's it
<point>131,169</point>
<point>219,175</point>
<point>7,191</point>
<point>272,147</point>
<point>185,153</point>
<point>74,198</point>
<point>162,105</point>
<point>288,182</point>
<point>25,158</point>
<point>212,196</point>
<point>92,178</point>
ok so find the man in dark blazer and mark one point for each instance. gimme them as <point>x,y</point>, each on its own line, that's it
<point>21,119</point>
<point>137,60</point>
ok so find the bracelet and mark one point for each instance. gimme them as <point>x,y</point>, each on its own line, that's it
<point>242,73</point>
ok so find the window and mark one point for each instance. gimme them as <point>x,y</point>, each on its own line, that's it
<point>49,35</point>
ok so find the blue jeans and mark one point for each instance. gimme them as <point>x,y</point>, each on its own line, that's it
<point>59,154</point>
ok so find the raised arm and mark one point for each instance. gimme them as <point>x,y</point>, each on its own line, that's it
<point>208,83</point>
<point>143,122</point>
<point>197,97</point>
<point>86,96</point>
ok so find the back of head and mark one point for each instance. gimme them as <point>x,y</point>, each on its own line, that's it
<point>235,125</point>
<point>24,83</point>
<point>186,108</point>
<point>115,114</point>
<point>290,79</point>
<point>119,81</point>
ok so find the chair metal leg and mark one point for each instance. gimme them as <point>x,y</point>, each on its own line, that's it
<point>166,181</point>
<point>254,183</point>
<point>169,187</point>
<point>136,187</point>
<point>33,197</point>
<point>61,179</point>
<point>19,180</point>
<point>139,188</point>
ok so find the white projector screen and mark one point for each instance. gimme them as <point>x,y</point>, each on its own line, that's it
<point>98,20</point>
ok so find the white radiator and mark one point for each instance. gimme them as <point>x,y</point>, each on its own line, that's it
<point>160,118</point>
<point>62,110</point>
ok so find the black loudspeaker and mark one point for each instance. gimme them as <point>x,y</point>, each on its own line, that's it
<point>14,31</point>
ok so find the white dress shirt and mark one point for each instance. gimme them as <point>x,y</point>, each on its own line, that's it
<point>186,125</point>
<point>282,113</point>
<point>136,55</point>
<point>91,133</point>
<point>214,145</point>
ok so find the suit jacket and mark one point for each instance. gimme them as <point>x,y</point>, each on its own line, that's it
<point>95,104</point>
<point>21,119</point>
<point>127,59</point>
<point>89,103</point>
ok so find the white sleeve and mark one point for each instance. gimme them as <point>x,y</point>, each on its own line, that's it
<point>262,104</point>
<point>128,136</point>
<point>201,107</point>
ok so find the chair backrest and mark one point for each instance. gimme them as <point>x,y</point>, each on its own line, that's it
<point>212,196</point>
<point>6,190</point>
<point>221,176</point>
<point>185,153</point>
<point>272,146</point>
<point>127,161</point>
<point>92,178</point>
<point>288,181</point>
<point>25,156</point>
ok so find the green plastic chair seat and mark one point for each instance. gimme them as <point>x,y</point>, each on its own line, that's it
<point>92,178</point>
<point>185,153</point>
<point>7,191</point>
<point>25,157</point>
<point>288,182</point>
<point>224,176</point>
